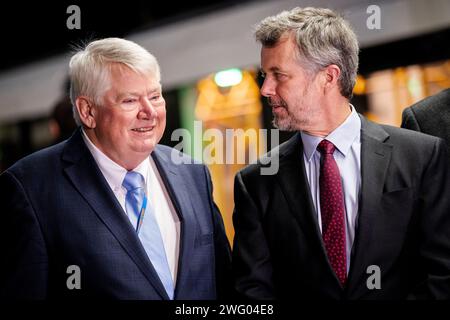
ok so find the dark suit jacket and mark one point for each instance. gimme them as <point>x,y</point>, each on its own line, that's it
<point>403,223</point>
<point>58,210</point>
<point>432,116</point>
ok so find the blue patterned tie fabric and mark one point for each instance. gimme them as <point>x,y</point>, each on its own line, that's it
<point>134,183</point>
<point>332,210</point>
<point>149,233</point>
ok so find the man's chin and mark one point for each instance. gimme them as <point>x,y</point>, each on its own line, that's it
<point>282,124</point>
<point>144,149</point>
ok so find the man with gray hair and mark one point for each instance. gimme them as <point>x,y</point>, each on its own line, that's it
<point>357,210</point>
<point>107,213</point>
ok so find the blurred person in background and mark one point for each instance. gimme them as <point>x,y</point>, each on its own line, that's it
<point>432,116</point>
<point>62,123</point>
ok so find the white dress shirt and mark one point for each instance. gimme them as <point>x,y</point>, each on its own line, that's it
<point>158,197</point>
<point>347,140</point>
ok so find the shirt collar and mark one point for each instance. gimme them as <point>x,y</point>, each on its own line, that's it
<point>342,137</point>
<point>113,172</point>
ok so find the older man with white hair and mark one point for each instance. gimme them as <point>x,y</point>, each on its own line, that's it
<point>107,213</point>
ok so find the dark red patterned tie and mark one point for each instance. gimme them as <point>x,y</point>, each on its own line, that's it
<point>332,211</point>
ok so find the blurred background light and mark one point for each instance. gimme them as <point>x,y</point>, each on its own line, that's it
<point>228,78</point>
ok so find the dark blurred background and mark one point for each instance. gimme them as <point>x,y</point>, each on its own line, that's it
<point>36,30</point>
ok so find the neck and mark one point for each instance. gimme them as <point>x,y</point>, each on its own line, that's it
<point>332,117</point>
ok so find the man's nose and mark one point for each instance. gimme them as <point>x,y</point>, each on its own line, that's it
<point>268,88</point>
<point>147,108</point>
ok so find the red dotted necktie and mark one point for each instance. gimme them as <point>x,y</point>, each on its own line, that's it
<point>332,211</point>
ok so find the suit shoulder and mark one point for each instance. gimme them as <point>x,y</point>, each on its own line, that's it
<point>412,143</point>
<point>273,155</point>
<point>42,161</point>
<point>437,103</point>
<point>409,135</point>
<point>176,156</point>
<point>181,162</point>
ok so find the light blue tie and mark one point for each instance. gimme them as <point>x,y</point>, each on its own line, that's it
<point>149,233</point>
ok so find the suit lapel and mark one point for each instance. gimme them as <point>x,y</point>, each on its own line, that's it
<point>181,200</point>
<point>295,187</point>
<point>375,158</point>
<point>90,183</point>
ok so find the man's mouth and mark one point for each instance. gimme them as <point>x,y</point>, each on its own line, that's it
<point>143,129</point>
<point>277,104</point>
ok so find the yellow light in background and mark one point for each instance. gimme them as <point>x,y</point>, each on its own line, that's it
<point>360,86</point>
<point>237,106</point>
<point>228,78</point>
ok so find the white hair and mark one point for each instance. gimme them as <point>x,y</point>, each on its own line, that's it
<point>89,68</point>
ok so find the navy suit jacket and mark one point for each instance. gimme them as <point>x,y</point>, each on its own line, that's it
<point>57,210</point>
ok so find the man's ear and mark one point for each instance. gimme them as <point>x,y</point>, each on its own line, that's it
<point>86,110</point>
<point>332,74</point>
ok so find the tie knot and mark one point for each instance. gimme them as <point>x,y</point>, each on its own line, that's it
<point>133,180</point>
<point>326,147</point>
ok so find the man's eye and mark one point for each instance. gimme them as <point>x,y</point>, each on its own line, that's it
<point>280,76</point>
<point>129,100</point>
<point>155,98</point>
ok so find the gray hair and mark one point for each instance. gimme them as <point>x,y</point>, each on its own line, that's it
<point>323,38</point>
<point>89,68</point>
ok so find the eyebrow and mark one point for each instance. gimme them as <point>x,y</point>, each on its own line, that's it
<point>136,94</point>
<point>272,69</point>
